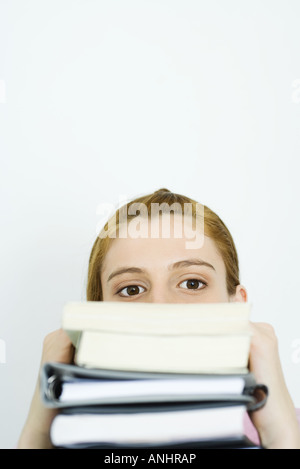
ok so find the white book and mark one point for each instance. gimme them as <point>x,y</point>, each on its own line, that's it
<point>91,390</point>
<point>148,428</point>
<point>176,338</point>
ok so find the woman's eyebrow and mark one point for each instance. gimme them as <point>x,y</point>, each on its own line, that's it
<point>189,262</point>
<point>176,265</point>
<point>124,270</point>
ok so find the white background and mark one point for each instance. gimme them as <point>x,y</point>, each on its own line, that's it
<point>100,99</point>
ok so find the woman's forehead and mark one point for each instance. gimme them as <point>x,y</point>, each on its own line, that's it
<point>155,252</point>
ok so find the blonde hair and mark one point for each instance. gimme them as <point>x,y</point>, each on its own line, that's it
<point>214,228</point>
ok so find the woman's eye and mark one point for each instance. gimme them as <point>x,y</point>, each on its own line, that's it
<point>193,284</point>
<point>130,290</point>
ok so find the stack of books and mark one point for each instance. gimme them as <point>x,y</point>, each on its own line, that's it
<point>150,375</point>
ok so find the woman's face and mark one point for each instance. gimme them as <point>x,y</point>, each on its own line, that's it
<point>164,270</point>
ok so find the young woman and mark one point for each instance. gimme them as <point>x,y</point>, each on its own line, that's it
<point>164,269</point>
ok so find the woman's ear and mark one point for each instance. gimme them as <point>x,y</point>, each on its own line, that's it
<point>240,295</point>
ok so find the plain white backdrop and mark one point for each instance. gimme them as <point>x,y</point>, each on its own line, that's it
<point>110,98</point>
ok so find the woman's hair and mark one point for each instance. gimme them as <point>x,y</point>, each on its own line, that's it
<point>214,228</point>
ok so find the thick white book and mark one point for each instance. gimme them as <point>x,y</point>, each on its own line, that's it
<point>148,428</point>
<point>153,337</point>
